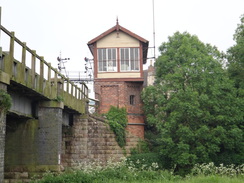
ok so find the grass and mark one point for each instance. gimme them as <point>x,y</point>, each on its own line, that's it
<point>126,172</point>
<point>70,178</point>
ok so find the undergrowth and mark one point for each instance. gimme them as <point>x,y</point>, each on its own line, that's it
<point>126,171</point>
<point>5,101</point>
<point>117,120</point>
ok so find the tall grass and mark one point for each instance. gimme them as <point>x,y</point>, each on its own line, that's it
<point>125,171</point>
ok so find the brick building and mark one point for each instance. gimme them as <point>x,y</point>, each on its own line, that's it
<point>119,55</point>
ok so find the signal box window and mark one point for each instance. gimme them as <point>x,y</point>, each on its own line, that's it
<point>129,59</point>
<point>107,60</point>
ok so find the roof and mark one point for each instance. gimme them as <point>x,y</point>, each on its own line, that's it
<point>117,28</point>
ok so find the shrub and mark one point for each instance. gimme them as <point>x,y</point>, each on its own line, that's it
<point>127,171</point>
<point>5,101</point>
<point>113,172</point>
<point>145,160</point>
<point>141,147</point>
<point>117,120</point>
<point>211,169</point>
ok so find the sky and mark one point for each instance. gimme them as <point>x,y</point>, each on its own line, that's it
<point>54,27</point>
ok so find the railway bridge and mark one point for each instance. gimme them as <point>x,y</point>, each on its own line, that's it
<point>48,126</point>
<point>43,101</point>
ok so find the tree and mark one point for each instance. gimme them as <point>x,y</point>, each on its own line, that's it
<point>193,105</point>
<point>236,58</point>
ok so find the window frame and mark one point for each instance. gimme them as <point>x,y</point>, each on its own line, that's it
<point>128,58</point>
<point>132,100</point>
<point>107,60</point>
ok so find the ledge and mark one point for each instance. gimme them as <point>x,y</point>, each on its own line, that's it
<point>4,78</point>
<point>54,104</point>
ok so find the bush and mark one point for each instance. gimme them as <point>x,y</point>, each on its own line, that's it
<point>113,172</point>
<point>127,171</point>
<point>141,147</point>
<point>117,120</point>
<point>145,160</point>
<point>5,101</point>
<point>211,169</point>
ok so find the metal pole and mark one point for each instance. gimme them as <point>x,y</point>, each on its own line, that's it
<point>0,31</point>
<point>154,32</point>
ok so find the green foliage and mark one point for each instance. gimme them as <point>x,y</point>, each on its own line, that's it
<point>211,169</point>
<point>145,160</point>
<point>59,98</point>
<point>113,172</point>
<point>141,147</point>
<point>5,101</point>
<point>236,58</point>
<point>128,171</point>
<point>194,105</point>
<point>117,119</point>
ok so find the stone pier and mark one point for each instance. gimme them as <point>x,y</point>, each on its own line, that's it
<point>2,136</point>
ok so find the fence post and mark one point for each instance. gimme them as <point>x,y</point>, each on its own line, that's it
<point>33,69</point>
<point>41,74</point>
<point>11,55</point>
<point>23,72</point>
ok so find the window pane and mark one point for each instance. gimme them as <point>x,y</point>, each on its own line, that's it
<point>114,58</point>
<point>129,59</point>
<point>100,56</point>
<point>122,59</point>
<point>107,59</point>
<point>109,54</point>
<point>136,59</point>
<point>132,58</point>
<point>132,99</point>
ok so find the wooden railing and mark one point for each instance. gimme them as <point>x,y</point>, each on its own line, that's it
<point>40,76</point>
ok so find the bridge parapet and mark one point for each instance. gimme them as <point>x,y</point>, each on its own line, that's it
<point>40,76</point>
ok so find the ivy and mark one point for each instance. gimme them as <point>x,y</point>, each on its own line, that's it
<point>5,101</point>
<point>59,99</point>
<point>117,120</point>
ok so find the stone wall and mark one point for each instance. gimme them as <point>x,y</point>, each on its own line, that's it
<point>49,135</point>
<point>88,140</point>
<point>91,140</point>
<point>33,146</point>
<point>2,136</point>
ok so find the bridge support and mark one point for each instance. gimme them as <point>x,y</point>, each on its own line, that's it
<point>33,145</point>
<point>50,117</point>
<point>2,136</point>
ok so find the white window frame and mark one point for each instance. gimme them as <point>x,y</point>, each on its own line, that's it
<point>107,60</point>
<point>129,59</point>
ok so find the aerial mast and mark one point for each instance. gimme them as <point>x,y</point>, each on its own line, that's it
<point>154,48</point>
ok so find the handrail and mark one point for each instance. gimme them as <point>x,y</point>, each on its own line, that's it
<point>73,90</point>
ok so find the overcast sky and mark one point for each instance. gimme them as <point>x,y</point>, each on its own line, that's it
<point>54,26</point>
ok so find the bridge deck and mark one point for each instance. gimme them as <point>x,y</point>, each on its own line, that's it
<point>40,79</point>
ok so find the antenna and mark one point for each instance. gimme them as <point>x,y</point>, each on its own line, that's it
<point>153,31</point>
<point>154,47</point>
<point>0,31</point>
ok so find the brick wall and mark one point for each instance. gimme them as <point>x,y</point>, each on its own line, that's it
<point>117,93</point>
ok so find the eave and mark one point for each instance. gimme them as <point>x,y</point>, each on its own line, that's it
<point>117,28</point>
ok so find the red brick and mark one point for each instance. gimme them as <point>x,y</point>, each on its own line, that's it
<point>117,93</point>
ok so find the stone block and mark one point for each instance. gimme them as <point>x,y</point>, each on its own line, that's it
<point>14,180</point>
<point>6,181</point>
